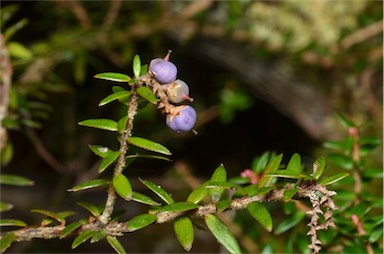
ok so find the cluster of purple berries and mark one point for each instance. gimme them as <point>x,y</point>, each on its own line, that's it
<point>172,92</point>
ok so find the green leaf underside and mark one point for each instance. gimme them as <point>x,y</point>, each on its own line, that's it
<point>112,76</point>
<point>57,216</point>
<point>115,244</point>
<point>149,156</point>
<point>147,94</point>
<point>261,214</point>
<point>179,207</point>
<point>197,195</point>
<point>94,210</point>
<point>149,145</point>
<point>141,198</point>
<point>12,222</point>
<point>122,186</point>
<point>334,179</point>
<point>136,66</point>
<point>108,160</point>
<point>98,236</point>
<point>222,233</point>
<point>82,237</point>
<point>71,227</point>
<point>184,231</point>
<point>121,124</point>
<point>102,123</point>
<point>219,175</point>
<point>318,167</point>
<point>345,121</point>
<point>140,222</point>
<point>286,174</point>
<point>6,241</point>
<point>15,180</point>
<point>90,184</point>
<point>158,191</point>
<point>5,206</point>
<point>294,163</point>
<point>272,166</point>
<point>288,194</point>
<point>100,151</point>
<point>114,96</point>
<point>223,185</point>
<point>223,205</point>
<point>290,222</point>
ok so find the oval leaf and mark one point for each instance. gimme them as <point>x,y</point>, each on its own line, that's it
<point>15,180</point>
<point>266,180</point>
<point>285,174</point>
<point>122,186</point>
<point>222,233</point>
<point>219,175</point>
<point>94,210</point>
<point>341,160</point>
<point>147,94</point>
<point>197,195</point>
<point>112,76</point>
<point>121,124</point>
<point>184,232</point>
<point>158,191</point>
<point>104,124</point>
<point>149,145</point>
<point>90,184</point>
<point>82,237</point>
<point>71,227</point>
<point>140,222</point>
<point>114,96</point>
<point>98,236</point>
<point>261,214</point>
<point>108,160</point>
<point>179,207</point>
<point>294,163</point>
<point>53,215</point>
<point>100,151</point>
<point>115,244</point>
<point>318,167</point>
<point>141,198</point>
<point>12,222</point>
<point>5,206</point>
<point>136,66</point>
<point>288,194</point>
<point>334,179</point>
<point>6,241</point>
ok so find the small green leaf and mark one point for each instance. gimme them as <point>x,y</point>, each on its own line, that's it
<point>285,174</point>
<point>141,198</point>
<point>140,222</point>
<point>222,233</point>
<point>288,194</point>
<point>372,173</point>
<point>15,180</point>
<point>179,207</point>
<point>147,94</point>
<point>318,167</point>
<point>12,222</point>
<point>224,186</point>
<point>219,175</point>
<point>121,124</point>
<point>197,195</point>
<point>144,69</point>
<point>108,160</point>
<point>122,186</point>
<point>5,206</point>
<point>71,227</point>
<point>19,51</point>
<point>259,163</point>
<point>149,145</point>
<point>94,210</point>
<point>90,184</point>
<point>261,214</point>
<point>294,163</point>
<point>150,156</point>
<point>100,151</point>
<point>341,160</point>
<point>184,232</point>
<point>136,66</point>
<point>112,76</point>
<point>223,205</point>
<point>158,191</point>
<point>6,241</point>
<point>114,96</point>
<point>115,244</point>
<point>98,236</point>
<point>103,124</point>
<point>266,180</point>
<point>290,222</point>
<point>82,237</point>
<point>53,215</point>
<point>334,179</point>
<point>345,121</point>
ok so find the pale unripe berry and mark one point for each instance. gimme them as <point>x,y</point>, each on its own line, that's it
<point>183,121</point>
<point>178,91</point>
<point>163,70</point>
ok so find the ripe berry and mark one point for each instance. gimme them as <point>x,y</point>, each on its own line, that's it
<point>182,121</point>
<point>163,70</point>
<point>178,91</point>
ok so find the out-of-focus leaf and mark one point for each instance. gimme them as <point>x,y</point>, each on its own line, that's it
<point>15,180</point>
<point>222,234</point>
<point>372,173</point>
<point>147,94</point>
<point>140,222</point>
<point>90,184</point>
<point>179,207</point>
<point>288,194</point>
<point>94,210</point>
<point>103,124</point>
<point>219,175</point>
<point>6,241</point>
<point>261,214</point>
<point>122,186</point>
<point>108,160</point>
<point>347,123</point>
<point>318,167</point>
<point>239,180</point>
<point>368,144</point>
<point>115,244</point>
<point>197,195</point>
<point>6,153</point>
<point>334,179</point>
<point>112,76</point>
<point>337,145</point>
<point>82,237</point>
<point>141,198</point>
<point>259,163</point>
<point>158,191</point>
<point>136,66</point>
<point>114,96</point>
<point>14,28</point>
<point>71,227</point>
<point>184,232</point>
<point>19,51</point>
<point>290,222</point>
<point>341,160</point>
<point>294,163</point>
<point>149,145</point>
<point>5,206</point>
<point>376,234</point>
<point>100,151</point>
<point>12,222</point>
<point>266,180</point>
<point>285,174</point>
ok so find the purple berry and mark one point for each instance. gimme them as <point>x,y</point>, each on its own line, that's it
<point>178,91</point>
<point>183,121</point>
<point>163,70</point>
